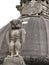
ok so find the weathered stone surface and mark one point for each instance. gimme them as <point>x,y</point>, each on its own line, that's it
<point>14,61</point>
<point>36,43</point>
<point>33,7</point>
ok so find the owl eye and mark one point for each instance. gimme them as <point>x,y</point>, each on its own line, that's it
<point>47,1</point>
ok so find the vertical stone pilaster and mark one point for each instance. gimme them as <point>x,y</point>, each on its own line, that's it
<point>47,31</point>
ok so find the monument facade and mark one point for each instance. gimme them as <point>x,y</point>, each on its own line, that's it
<point>25,41</point>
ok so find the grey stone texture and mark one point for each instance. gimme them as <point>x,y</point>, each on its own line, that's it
<point>37,34</point>
<point>36,40</point>
<point>33,7</point>
<point>14,61</point>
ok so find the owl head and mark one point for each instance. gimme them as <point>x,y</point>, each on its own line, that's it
<point>16,24</point>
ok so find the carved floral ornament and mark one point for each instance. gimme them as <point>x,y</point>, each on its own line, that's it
<point>33,7</point>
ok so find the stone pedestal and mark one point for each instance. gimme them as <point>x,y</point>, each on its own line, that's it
<point>14,61</point>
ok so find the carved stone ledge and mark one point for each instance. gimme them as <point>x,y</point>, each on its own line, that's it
<point>14,61</point>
